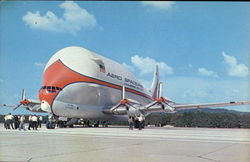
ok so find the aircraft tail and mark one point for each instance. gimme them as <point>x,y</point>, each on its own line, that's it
<point>155,84</point>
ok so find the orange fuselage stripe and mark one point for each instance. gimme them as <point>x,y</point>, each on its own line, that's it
<point>59,75</point>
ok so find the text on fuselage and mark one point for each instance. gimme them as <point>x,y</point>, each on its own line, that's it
<point>127,81</point>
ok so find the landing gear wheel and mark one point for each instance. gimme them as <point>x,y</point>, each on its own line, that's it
<point>138,124</point>
<point>61,124</point>
<point>50,125</point>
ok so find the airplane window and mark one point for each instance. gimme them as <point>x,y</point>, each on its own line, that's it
<point>51,89</point>
<point>43,87</point>
<point>101,66</point>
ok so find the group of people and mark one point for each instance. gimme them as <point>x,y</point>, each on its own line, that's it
<point>18,121</point>
<point>137,122</point>
<point>35,122</point>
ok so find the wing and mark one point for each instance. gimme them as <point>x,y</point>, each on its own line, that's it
<point>207,105</point>
<point>162,105</point>
<point>29,104</point>
<point>7,105</point>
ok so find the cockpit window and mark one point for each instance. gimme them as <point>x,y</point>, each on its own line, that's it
<point>51,89</point>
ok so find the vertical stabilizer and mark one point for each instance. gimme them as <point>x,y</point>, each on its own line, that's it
<point>155,84</point>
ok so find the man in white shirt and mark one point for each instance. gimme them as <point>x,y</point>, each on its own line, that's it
<point>34,121</point>
<point>5,122</point>
<point>9,121</point>
<point>140,119</point>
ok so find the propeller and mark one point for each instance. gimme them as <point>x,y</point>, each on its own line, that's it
<point>125,102</point>
<point>161,100</point>
<point>23,101</point>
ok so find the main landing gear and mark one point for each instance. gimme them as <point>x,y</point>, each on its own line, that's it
<point>51,123</point>
<point>138,124</point>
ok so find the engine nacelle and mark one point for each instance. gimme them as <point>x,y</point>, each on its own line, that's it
<point>134,111</point>
<point>35,108</point>
<point>167,108</point>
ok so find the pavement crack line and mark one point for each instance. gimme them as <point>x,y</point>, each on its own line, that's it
<point>219,149</point>
<point>207,158</point>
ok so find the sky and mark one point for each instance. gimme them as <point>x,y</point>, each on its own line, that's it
<point>202,48</point>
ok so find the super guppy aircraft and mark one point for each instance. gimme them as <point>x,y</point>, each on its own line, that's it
<point>78,83</point>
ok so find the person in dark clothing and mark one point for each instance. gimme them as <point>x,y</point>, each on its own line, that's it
<point>5,122</point>
<point>16,122</point>
<point>130,122</point>
<point>30,122</point>
<point>40,120</point>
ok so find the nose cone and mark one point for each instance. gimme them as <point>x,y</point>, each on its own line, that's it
<point>46,95</point>
<point>45,106</point>
<point>52,80</point>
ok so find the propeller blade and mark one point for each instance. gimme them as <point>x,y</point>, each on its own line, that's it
<point>123,93</point>
<point>160,90</point>
<point>23,94</point>
<point>129,105</point>
<point>115,107</point>
<point>151,104</point>
<point>17,106</point>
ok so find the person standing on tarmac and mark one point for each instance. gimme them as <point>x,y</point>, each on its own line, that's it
<point>9,121</point>
<point>130,122</point>
<point>40,120</point>
<point>30,122</point>
<point>22,123</point>
<point>15,121</point>
<point>5,122</point>
<point>140,119</point>
<point>34,122</point>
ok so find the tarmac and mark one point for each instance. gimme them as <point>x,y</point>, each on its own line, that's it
<point>124,145</point>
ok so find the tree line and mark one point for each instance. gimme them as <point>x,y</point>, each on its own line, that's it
<point>200,119</point>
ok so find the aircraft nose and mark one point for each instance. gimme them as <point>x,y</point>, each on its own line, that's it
<point>47,95</point>
<point>45,106</point>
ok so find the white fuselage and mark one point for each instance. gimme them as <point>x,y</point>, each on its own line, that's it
<point>78,83</point>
